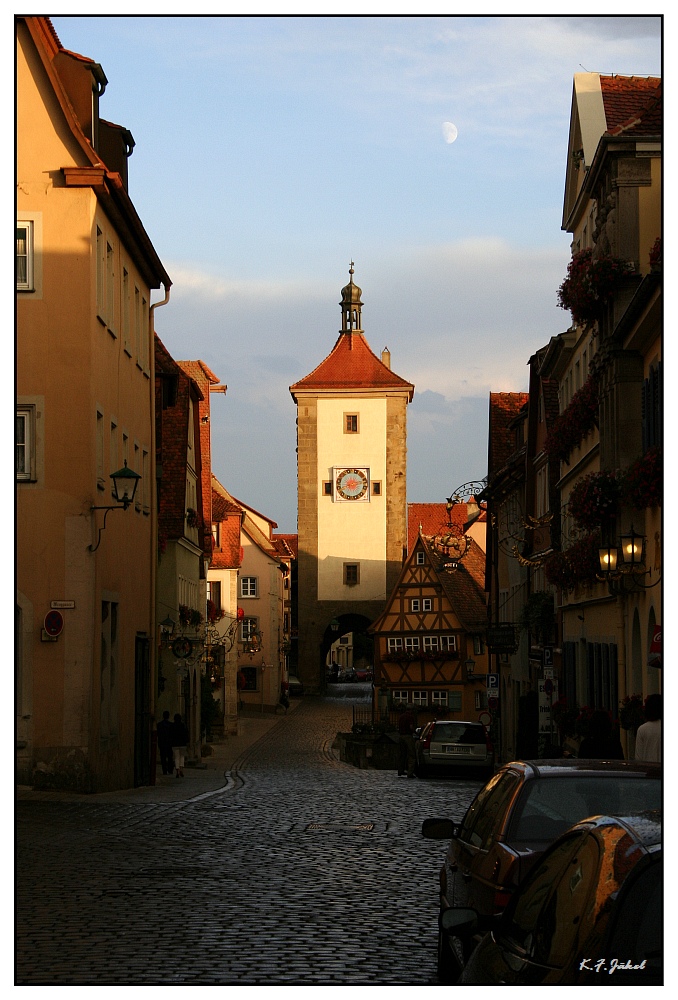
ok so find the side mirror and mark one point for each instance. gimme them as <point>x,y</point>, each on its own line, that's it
<point>439,829</point>
<point>459,921</point>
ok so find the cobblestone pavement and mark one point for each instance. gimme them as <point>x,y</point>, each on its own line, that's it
<point>298,869</point>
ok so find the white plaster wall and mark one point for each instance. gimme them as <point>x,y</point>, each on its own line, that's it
<point>352,531</point>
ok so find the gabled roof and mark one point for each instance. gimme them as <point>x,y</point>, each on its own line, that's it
<point>463,592</point>
<point>352,365</point>
<point>462,586</point>
<point>107,184</point>
<point>605,108</point>
<point>199,371</point>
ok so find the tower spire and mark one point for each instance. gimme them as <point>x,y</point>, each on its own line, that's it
<point>351,319</point>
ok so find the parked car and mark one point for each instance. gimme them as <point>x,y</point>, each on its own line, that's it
<point>445,744</point>
<point>521,810</point>
<point>363,673</point>
<point>589,913</point>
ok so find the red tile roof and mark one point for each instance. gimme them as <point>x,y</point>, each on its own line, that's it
<point>504,407</point>
<point>352,365</point>
<point>432,517</point>
<point>632,102</point>
<point>290,543</point>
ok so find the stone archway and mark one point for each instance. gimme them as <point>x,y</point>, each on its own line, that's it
<point>344,624</point>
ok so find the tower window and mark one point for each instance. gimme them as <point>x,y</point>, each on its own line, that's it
<point>327,488</point>
<point>351,574</point>
<point>375,486</point>
<point>350,423</point>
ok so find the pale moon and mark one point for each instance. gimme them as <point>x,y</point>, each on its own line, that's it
<point>449,131</point>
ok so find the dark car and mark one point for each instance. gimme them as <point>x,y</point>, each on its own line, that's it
<point>589,913</point>
<point>446,744</point>
<point>521,810</point>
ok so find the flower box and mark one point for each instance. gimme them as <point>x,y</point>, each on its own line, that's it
<point>590,283</point>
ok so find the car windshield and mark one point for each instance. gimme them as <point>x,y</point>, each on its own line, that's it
<point>548,807</point>
<point>458,732</point>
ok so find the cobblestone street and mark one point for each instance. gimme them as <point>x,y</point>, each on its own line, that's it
<point>297,869</point>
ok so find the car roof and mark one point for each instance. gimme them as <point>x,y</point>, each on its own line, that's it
<point>457,722</point>
<point>645,827</point>
<point>577,766</point>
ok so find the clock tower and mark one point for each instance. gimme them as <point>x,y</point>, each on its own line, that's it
<point>352,488</point>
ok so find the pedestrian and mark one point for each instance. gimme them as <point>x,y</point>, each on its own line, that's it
<point>406,744</point>
<point>284,697</point>
<point>649,735</point>
<point>601,743</point>
<point>179,744</point>
<point>164,730</point>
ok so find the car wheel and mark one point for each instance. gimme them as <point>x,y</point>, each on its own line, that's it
<point>449,963</point>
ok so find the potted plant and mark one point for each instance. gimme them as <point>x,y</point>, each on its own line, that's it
<point>594,499</point>
<point>578,418</point>
<point>641,484</point>
<point>590,283</point>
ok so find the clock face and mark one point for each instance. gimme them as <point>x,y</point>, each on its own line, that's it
<point>352,484</point>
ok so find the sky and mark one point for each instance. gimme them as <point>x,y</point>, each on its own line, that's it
<point>271,151</point>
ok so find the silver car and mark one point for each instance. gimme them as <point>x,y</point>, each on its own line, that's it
<point>450,744</point>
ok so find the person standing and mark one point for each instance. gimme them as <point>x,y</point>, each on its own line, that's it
<point>164,729</point>
<point>179,744</point>
<point>602,743</point>
<point>406,743</point>
<point>649,735</point>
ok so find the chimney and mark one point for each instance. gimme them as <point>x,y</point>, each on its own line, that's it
<point>386,357</point>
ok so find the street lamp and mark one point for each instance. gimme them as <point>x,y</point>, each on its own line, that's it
<point>470,667</point>
<point>125,482</point>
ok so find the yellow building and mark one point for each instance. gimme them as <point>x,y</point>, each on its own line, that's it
<point>352,476</point>
<point>85,409</point>
<point>610,389</point>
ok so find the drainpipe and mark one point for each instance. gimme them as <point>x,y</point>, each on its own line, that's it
<point>154,507</point>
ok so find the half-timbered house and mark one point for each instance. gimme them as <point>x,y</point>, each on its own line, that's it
<point>429,643</point>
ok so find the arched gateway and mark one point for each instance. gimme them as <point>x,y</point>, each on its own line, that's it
<point>352,485</point>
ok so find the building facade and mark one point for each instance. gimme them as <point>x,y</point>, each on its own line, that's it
<point>85,409</point>
<point>612,208</point>
<point>352,477</point>
<point>430,652</point>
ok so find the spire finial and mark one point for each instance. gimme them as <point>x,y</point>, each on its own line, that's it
<point>350,271</point>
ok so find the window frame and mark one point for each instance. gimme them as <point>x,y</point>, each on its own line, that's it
<point>415,604</point>
<point>27,413</point>
<point>394,644</point>
<point>249,625</point>
<point>353,418</point>
<point>252,587</point>
<point>427,604</point>
<point>348,568</point>
<point>420,559</point>
<point>29,284</point>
